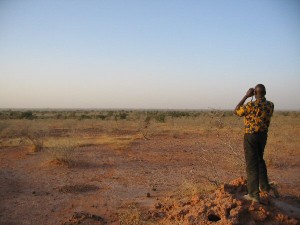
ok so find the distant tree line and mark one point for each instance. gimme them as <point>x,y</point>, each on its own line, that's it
<point>157,115</point>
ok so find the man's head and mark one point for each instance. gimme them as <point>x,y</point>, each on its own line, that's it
<point>259,91</point>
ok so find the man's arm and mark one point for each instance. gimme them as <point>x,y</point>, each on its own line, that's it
<point>249,93</point>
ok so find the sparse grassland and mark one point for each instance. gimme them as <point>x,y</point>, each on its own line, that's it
<point>130,156</point>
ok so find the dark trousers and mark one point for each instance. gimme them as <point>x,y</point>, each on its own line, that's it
<point>257,177</point>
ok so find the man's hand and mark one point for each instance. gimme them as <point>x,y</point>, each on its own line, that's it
<point>250,92</point>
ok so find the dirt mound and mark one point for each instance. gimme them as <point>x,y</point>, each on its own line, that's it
<point>85,218</point>
<point>223,206</point>
<point>78,188</point>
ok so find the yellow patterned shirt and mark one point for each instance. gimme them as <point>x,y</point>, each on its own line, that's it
<point>257,115</point>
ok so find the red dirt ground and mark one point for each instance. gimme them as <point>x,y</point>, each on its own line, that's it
<point>105,181</point>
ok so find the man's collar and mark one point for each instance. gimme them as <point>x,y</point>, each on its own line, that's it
<point>261,99</point>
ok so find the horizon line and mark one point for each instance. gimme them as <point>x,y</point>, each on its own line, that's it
<point>127,109</point>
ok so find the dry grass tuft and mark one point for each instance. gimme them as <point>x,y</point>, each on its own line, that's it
<point>189,188</point>
<point>35,133</point>
<point>64,152</point>
<point>131,215</point>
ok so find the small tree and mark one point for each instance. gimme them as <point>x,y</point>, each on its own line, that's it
<point>27,115</point>
<point>34,135</point>
<point>64,152</point>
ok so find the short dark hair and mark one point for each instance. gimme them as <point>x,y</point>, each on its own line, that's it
<point>261,89</point>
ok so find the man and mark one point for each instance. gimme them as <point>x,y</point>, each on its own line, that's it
<point>257,115</point>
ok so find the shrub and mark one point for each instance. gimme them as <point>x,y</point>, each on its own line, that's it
<point>85,117</point>
<point>35,136</point>
<point>160,117</point>
<point>63,152</point>
<point>14,115</point>
<point>27,115</point>
<point>123,115</point>
<point>130,216</point>
<point>110,113</point>
<point>144,127</point>
<point>176,114</point>
<point>147,119</point>
<point>3,126</point>
<point>102,117</point>
<point>38,143</point>
<point>72,115</point>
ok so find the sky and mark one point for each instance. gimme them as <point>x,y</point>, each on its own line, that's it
<point>140,54</point>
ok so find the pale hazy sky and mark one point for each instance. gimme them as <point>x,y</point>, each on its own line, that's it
<point>148,54</point>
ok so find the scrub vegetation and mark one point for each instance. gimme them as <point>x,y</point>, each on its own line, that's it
<point>134,159</point>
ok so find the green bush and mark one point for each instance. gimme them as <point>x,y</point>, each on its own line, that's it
<point>85,117</point>
<point>27,115</point>
<point>176,114</point>
<point>161,117</point>
<point>102,117</point>
<point>147,119</point>
<point>110,113</point>
<point>123,115</point>
<point>59,116</point>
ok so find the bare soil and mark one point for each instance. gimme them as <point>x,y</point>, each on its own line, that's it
<point>108,186</point>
